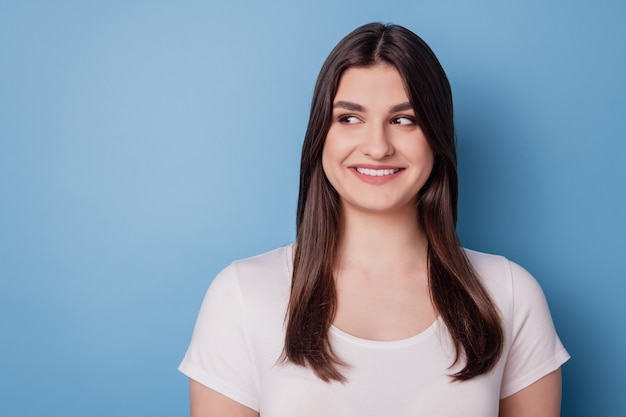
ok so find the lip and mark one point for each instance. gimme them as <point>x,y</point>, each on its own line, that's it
<point>376,180</point>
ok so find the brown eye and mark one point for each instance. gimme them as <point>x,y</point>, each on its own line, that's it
<point>403,120</point>
<point>349,120</point>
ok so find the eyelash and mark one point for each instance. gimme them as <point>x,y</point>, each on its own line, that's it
<point>411,120</point>
<point>345,119</point>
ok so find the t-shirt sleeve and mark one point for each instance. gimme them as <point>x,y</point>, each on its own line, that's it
<point>220,355</point>
<point>536,349</point>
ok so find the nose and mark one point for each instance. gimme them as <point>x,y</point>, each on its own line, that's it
<point>377,142</point>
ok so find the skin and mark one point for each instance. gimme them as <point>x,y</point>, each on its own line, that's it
<point>381,276</point>
<point>374,126</point>
<point>541,399</point>
<point>205,402</point>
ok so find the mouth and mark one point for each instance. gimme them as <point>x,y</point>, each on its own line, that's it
<point>377,172</point>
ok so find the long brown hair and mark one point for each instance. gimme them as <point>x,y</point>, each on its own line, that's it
<point>456,292</point>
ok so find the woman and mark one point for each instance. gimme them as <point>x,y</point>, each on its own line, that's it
<point>376,310</point>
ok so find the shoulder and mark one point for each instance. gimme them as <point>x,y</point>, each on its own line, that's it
<point>268,267</point>
<point>272,262</point>
<point>488,265</point>
<point>494,272</point>
<point>269,271</point>
<point>512,286</point>
<point>532,347</point>
<point>496,269</point>
<point>239,327</point>
<point>247,301</point>
<point>261,279</point>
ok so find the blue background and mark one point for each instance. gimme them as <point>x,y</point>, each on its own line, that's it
<point>146,144</point>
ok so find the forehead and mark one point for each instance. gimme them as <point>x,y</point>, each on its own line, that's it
<point>376,84</point>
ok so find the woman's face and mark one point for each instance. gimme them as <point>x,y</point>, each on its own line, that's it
<point>375,155</point>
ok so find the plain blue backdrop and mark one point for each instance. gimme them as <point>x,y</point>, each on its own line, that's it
<point>144,145</point>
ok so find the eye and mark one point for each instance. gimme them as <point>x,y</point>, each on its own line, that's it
<point>403,120</point>
<point>349,120</point>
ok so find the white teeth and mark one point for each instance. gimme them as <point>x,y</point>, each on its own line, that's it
<point>377,172</point>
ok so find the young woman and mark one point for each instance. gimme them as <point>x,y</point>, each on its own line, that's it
<point>376,310</point>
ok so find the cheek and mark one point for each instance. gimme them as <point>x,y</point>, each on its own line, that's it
<point>333,158</point>
<point>429,163</point>
<point>330,154</point>
<point>325,157</point>
<point>423,157</point>
<point>427,154</point>
<point>326,161</point>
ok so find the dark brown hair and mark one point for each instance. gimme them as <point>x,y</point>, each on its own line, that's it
<point>456,292</point>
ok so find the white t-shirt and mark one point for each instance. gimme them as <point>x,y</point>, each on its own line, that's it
<point>239,336</point>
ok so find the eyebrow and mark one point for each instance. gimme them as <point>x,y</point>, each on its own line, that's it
<point>402,107</point>
<point>348,105</point>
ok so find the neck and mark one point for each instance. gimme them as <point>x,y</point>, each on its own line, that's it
<point>378,242</point>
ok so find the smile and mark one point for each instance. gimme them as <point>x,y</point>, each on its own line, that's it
<point>377,172</point>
